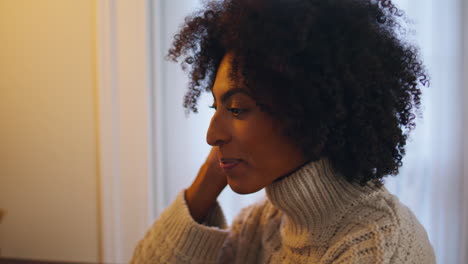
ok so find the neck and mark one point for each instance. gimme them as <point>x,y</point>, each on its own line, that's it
<point>312,198</point>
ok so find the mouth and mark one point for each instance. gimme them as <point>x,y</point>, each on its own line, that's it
<point>227,164</point>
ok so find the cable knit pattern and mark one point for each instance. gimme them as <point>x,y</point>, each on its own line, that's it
<point>312,216</point>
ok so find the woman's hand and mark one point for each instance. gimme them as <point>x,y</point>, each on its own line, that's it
<point>210,182</point>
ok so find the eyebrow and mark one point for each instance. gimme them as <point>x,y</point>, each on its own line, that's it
<point>230,93</point>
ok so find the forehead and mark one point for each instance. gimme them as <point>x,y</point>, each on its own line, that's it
<point>223,82</point>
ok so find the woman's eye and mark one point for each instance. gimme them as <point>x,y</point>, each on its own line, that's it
<point>236,111</point>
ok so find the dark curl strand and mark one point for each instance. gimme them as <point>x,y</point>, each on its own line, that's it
<point>334,72</point>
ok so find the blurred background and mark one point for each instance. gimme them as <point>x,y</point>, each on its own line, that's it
<point>95,143</point>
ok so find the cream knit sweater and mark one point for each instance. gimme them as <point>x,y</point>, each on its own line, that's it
<point>312,216</point>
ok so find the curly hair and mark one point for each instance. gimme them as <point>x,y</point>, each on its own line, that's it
<point>336,73</point>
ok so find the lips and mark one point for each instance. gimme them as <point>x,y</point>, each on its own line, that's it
<point>228,163</point>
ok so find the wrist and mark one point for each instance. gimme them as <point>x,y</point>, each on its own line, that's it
<point>204,191</point>
<point>198,203</point>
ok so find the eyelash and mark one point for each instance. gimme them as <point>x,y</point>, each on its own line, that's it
<point>232,110</point>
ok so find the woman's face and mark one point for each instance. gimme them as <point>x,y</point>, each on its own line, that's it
<point>251,148</point>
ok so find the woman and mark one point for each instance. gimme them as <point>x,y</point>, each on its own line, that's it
<point>314,101</point>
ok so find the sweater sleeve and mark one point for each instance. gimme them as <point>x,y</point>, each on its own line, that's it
<point>175,237</point>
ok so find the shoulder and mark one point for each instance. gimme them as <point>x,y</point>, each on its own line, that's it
<point>379,229</point>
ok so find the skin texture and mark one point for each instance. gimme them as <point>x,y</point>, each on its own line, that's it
<point>240,130</point>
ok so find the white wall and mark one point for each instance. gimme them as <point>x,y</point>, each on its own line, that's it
<point>125,125</point>
<point>48,154</point>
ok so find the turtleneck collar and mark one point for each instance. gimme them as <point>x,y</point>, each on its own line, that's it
<point>312,198</point>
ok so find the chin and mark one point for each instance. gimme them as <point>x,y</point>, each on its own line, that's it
<point>243,188</point>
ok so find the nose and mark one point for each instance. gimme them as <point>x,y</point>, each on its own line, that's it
<point>218,132</point>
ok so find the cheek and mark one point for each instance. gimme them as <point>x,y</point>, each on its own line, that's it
<point>258,140</point>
